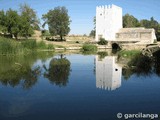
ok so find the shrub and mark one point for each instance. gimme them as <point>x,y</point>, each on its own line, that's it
<point>102,41</point>
<point>89,47</point>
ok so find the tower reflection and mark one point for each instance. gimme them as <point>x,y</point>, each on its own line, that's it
<point>108,73</point>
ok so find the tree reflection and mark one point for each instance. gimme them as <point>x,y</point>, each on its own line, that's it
<point>142,65</point>
<point>139,65</point>
<point>24,75</point>
<point>58,72</point>
<point>157,62</point>
<point>18,70</point>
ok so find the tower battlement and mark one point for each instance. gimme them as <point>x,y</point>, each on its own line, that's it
<point>108,21</point>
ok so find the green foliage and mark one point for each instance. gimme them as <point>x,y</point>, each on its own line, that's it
<point>18,70</point>
<point>21,24</point>
<point>102,54</point>
<point>151,24</point>
<point>3,21</point>
<point>58,21</point>
<point>129,53</point>
<point>45,33</point>
<point>30,16</point>
<point>29,44</point>
<point>12,47</point>
<point>130,21</point>
<point>139,64</point>
<point>58,72</point>
<point>41,45</point>
<point>92,33</point>
<point>102,41</point>
<point>89,47</point>
<point>50,47</point>
<point>8,46</point>
<point>12,22</point>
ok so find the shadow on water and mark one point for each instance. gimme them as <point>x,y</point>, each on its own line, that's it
<point>142,65</point>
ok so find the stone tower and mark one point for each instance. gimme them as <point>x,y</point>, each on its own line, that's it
<point>108,22</point>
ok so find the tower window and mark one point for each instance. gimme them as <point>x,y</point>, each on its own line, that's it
<point>101,14</point>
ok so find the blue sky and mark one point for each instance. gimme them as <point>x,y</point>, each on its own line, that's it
<point>81,12</point>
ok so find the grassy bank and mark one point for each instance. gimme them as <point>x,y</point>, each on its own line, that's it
<point>13,47</point>
<point>89,47</point>
<point>128,53</point>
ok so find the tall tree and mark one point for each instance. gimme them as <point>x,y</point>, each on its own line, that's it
<point>2,21</point>
<point>58,21</point>
<point>12,20</point>
<point>93,32</point>
<point>29,20</point>
<point>130,21</point>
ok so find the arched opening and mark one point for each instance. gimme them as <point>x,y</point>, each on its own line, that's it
<point>115,46</point>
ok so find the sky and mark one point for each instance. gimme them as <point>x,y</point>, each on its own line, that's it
<point>82,12</point>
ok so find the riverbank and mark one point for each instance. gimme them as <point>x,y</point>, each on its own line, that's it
<point>14,47</point>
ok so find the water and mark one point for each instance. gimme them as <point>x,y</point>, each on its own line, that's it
<point>74,87</point>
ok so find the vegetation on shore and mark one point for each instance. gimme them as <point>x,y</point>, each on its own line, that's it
<point>128,53</point>
<point>102,41</point>
<point>12,47</point>
<point>89,47</point>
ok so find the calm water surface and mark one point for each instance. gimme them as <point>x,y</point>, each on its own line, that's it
<point>73,87</point>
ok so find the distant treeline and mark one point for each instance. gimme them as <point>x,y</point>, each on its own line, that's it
<point>131,21</point>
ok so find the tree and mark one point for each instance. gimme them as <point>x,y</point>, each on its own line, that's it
<point>93,32</point>
<point>2,21</point>
<point>29,20</point>
<point>12,22</point>
<point>152,23</point>
<point>58,21</point>
<point>145,23</point>
<point>130,21</point>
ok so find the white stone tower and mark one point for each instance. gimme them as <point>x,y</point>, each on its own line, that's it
<point>108,21</point>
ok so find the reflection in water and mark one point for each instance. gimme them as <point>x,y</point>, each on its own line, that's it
<point>142,66</point>
<point>19,70</point>
<point>108,73</point>
<point>58,72</point>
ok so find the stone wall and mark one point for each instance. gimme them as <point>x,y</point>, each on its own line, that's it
<point>136,34</point>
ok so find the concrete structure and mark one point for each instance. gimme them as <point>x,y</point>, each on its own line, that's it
<point>108,21</point>
<point>139,35</point>
<point>108,73</point>
<point>109,27</point>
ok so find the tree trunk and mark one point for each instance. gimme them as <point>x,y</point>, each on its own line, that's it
<point>61,37</point>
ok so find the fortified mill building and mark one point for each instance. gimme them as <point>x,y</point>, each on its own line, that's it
<point>109,25</point>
